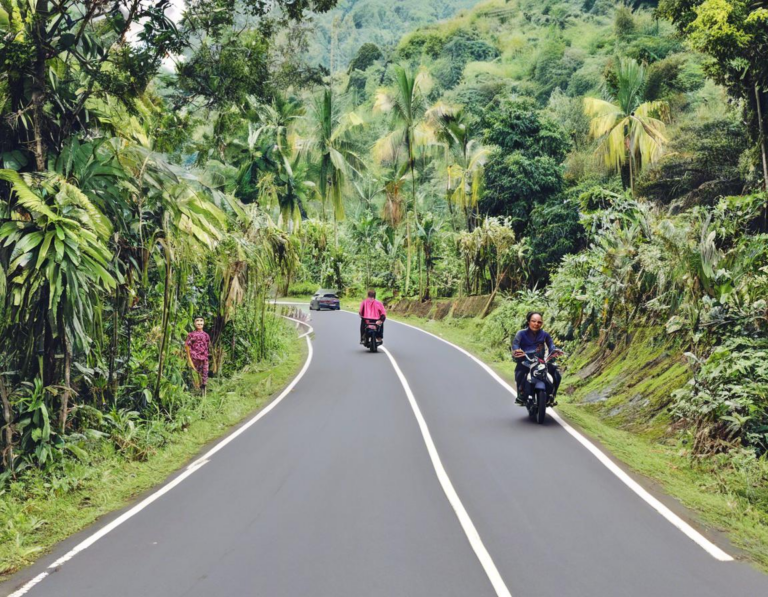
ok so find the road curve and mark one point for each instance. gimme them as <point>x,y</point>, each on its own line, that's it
<point>333,494</point>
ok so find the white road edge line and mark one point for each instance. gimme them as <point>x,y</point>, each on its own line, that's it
<point>310,329</point>
<point>673,518</point>
<point>190,469</point>
<point>27,587</point>
<point>466,522</point>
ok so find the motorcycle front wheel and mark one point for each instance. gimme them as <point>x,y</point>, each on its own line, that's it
<point>541,404</point>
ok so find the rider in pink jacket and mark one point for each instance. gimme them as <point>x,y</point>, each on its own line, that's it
<point>370,308</point>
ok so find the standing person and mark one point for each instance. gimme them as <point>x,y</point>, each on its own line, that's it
<point>197,345</point>
<point>533,339</point>
<point>370,308</point>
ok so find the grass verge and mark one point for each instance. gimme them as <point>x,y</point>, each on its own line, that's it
<point>726,494</point>
<point>39,512</point>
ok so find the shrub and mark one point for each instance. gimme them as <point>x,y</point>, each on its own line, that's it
<point>509,317</point>
<point>624,22</point>
<point>725,401</point>
<point>302,288</point>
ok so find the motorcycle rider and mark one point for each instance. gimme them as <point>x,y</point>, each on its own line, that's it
<point>533,339</point>
<point>370,308</point>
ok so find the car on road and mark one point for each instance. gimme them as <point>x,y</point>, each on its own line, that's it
<point>325,299</point>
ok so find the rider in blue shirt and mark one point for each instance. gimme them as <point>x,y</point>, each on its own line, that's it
<point>533,339</point>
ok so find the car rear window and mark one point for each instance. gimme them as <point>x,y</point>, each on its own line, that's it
<point>330,296</point>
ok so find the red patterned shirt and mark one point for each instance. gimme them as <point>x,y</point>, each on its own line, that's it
<point>198,345</point>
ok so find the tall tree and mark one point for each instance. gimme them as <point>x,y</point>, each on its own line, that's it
<point>465,158</point>
<point>630,131</point>
<point>733,34</point>
<point>406,102</point>
<point>330,142</point>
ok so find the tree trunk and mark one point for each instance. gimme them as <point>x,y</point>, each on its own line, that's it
<point>67,383</point>
<point>111,380</point>
<point>761,124</point>
<point>421,290</point>
<point>38,87</point>
<point>412,165</point>
<point>408,254</point>
<point>8,427</point>
<point>165,320</point>
<point>487,307</point>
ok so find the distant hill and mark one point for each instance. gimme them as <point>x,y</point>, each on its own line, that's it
<point>382,22</point>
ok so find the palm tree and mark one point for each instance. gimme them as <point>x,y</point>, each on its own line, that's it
<point>630,130</point>
<point>368,189</point>
<point>465,157</point>
<point>390,244</point>
<point>428,230</point>
<point>336,155</point>
<point>406,103</point>
<point>276,119</point>
<point>392,181</point>
<point>365,231</point>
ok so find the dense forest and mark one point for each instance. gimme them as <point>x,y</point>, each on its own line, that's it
<point>603,162</point>
<point>339,33</point>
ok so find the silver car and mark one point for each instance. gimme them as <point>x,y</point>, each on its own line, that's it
<point>325,299</point>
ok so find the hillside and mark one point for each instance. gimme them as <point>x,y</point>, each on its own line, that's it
<point>382,22</point>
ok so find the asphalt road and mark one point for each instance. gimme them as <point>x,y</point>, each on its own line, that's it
<point>334,494</point>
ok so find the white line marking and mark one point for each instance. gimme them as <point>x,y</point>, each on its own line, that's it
<point>673,518</point>
<point>190,470</point>
<point>26,588</point>
<point>466,522</point>
<point>311,330</point>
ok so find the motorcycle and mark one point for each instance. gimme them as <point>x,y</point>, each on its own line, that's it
<point>370,338</point>
<point>541,384</point>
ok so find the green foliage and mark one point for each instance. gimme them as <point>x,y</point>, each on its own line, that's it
<point>353,23</point>
<point>554,65</point>
<point>725,401</point>
<point>734,37</point>
<point>516,125</point>
<point>623,22</point>
<point>224,73</point>
<point>510,317</point>
<point>365,57</point>
<point>515,183</point>
<point>556,231</point>
<point>704,163</point>
<point>108,246</point>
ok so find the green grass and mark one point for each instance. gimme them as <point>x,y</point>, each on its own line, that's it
<point>728,493</point>
<point>39,512</point>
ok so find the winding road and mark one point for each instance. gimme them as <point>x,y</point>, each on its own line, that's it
<point>403,473</point>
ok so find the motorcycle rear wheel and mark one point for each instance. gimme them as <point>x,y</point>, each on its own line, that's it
<point>372,344</point>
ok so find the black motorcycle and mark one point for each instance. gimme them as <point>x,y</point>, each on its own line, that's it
<point>371,338</point>
<point>540,384</point>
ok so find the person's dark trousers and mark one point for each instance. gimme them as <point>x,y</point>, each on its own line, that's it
<point>521,373</point>
<point>556,377</point>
